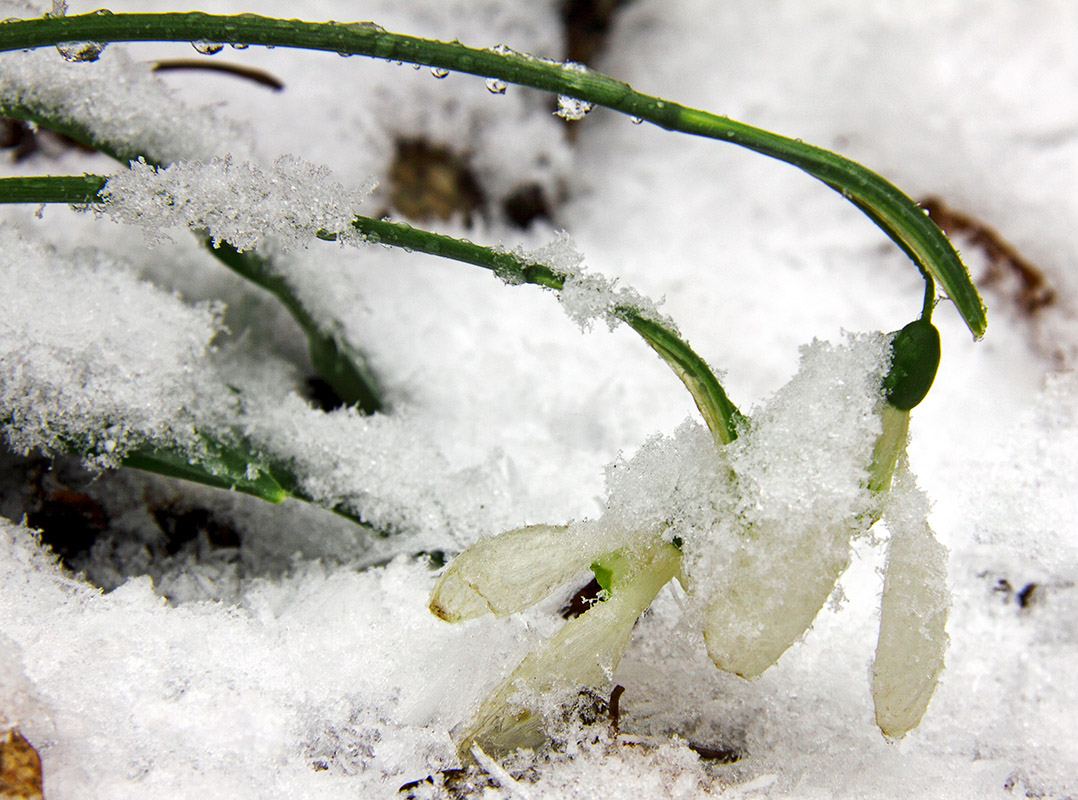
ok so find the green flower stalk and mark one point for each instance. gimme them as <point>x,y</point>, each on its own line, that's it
<point>749,621</point>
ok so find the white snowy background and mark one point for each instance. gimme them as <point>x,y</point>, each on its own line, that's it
<point>293,668</point>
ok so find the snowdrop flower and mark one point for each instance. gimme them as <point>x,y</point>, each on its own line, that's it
<point>760,590</point>
<point>493,577</point>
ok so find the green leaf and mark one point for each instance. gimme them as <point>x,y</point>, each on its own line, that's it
<point>895,213</point>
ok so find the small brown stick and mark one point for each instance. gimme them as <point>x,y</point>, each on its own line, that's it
<point>250,73</point>
<point>614,706</point>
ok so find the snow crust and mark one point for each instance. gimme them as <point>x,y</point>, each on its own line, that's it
<point>290,666</point>
<point>92,356</point>
<point>138,112</point>
<point>273,210</point>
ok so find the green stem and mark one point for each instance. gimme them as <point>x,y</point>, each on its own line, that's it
<point>222,463</point>
<point>721,416</point>
<point>899,216</point>
<point>233,467</point>
<point>338,363</point>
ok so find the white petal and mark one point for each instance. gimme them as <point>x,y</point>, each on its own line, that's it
<point>775,592</point>
<point>509,572</point>
<point>909,655</point>
<point>584,653</point>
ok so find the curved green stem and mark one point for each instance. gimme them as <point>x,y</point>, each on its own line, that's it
<point>721,416</point>
<point>894,212</point>
<point>929,304</point>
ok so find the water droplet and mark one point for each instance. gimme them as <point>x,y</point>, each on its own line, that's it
<point>503,50</point>
<point>635,120</point>
<point>571,108</point>
<point>240,45</point>
<point>416,66</point>
<point>208,48</point>
<point>495,86</point>
<point>81,51</point>
<point>362,27</point>
<point>438,72</point>
<point>102,12</point>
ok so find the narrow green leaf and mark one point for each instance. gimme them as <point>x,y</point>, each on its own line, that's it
<point>895,213</point>
<point>721,416</point>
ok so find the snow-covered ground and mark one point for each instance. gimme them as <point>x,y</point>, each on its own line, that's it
<point>301,660</point>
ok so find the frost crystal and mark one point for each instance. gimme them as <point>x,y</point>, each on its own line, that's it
<point>289,203</point>
<point>572,109</point>
<point>586,296</point>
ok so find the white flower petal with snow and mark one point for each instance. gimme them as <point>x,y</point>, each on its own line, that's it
<point>516,569</point>
<point>913,614</point>
<point>762,611</point>
<point>584,653</point>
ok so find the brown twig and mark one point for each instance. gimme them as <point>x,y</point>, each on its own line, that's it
<point>239,70</point>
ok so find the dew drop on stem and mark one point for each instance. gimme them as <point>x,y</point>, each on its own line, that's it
<point>495,86</point>
<point>439,72</point>
<point>240,45</point>
<point>208,48</point>
<point>81,51</point>
<point>635,120</point>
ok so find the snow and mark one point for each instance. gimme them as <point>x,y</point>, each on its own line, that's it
<point>303,661</point>
<point>91,354</point>
<point>139,112</point>
<point>288,204</point>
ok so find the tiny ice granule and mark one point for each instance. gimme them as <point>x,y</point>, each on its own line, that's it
<point>288,203</point>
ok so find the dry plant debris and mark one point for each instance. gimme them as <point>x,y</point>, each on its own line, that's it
<point>20,769</point>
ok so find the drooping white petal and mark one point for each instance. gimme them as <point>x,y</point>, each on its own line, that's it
<point>913,613</point>
<point>509,572</point>
<point>776,589</point>
<point>804,472</point>
<point>584,653</point>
